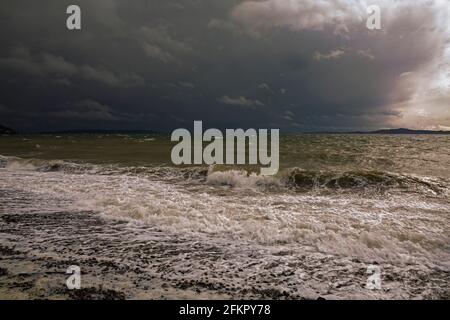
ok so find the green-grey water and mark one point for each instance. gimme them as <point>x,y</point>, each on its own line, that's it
<point>414,154</point>
<point>339,204</point>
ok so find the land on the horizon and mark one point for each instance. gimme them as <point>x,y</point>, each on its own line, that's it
<point>401,131</point>
<point>7,130</point>
<point>100,131</point>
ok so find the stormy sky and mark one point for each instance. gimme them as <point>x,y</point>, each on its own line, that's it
<point>297,65</point>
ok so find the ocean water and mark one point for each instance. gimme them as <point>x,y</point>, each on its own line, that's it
<point>339,203</point>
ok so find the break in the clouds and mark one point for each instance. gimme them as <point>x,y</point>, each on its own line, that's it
<point>300,65</point>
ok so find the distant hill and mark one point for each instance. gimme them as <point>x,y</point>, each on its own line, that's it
<point>387,131</point>
<point>404,131</point>
<point>102,132</point>
<point>6,130</point>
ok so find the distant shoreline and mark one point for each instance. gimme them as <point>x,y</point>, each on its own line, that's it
<point>400,131</point>
<point>102,132</point>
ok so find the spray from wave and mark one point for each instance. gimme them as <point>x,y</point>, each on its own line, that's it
<point>290,179</point>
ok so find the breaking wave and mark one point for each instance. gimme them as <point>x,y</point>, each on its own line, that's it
<point>290,179</point>
<point>169,173</point>
<point>321,211</point>
<point>306,180</point>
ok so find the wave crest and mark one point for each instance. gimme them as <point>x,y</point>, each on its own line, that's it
<point>307,180</point>
<point>242,179</point>
<point>295,179</point>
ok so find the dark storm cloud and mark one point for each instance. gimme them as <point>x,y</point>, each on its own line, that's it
<point>159,65</point>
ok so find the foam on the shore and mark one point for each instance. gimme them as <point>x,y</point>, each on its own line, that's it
<point>399,228</point>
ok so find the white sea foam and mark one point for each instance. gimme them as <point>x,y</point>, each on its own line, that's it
<point>398,228</point>
<point>241,179</point>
